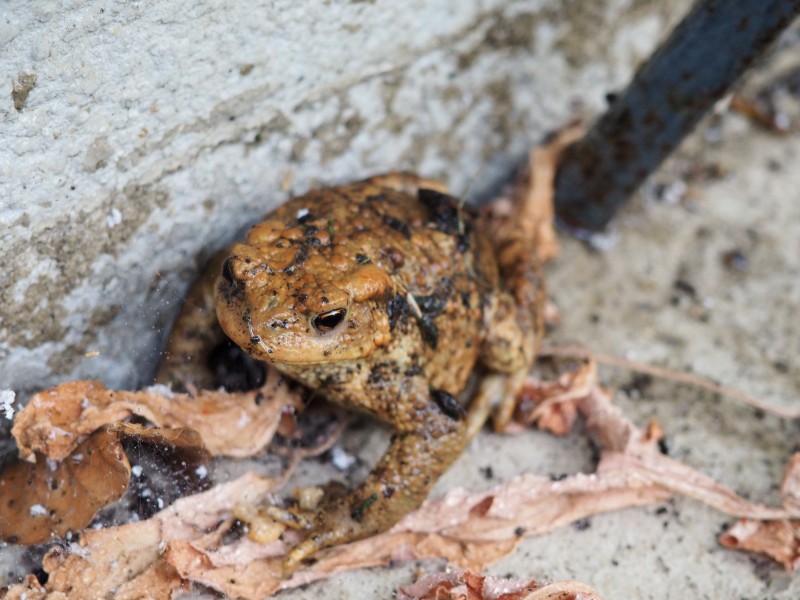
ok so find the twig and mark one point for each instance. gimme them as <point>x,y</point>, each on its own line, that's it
<point>671,375</point>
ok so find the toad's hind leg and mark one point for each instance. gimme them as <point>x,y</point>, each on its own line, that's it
<point>515,329</point>
<point>509,350</point>
<point>515,319</point>
<point>520,228</point>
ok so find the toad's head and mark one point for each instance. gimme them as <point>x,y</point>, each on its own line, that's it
<point>289,296</point>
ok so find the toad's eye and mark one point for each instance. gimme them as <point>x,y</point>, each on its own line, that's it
<point>329,320</point>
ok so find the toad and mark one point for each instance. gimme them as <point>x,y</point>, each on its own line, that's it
<point>383,296</point>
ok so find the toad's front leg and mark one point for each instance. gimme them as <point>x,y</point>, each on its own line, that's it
<point>398,484</point>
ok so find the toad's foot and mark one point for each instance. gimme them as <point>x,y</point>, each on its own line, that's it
<point>496,397</point>
<point>333,527</point>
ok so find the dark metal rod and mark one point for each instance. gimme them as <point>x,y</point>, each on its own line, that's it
<point>705,54</point>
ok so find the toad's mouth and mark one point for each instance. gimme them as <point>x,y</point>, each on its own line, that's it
<point>296,344</point>
<point>286,329</point>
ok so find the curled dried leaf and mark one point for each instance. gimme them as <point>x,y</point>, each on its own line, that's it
<point>54,422</point>
<point>529,206</point>
<point>185,442</point>
<point>552,405</point>
<point>126,562</point>
<point>468,529</point>
<point>779,539</point>
<point>180,437</point>
<point>48,498</point>
<point>29,589</point>
<point>459,585</point>
<point>455,585</point>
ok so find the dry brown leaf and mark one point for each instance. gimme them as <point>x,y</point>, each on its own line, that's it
<point>180,437</point>
<point>535,184</point>
<point>29,589</point>
<point>468,529</point>
<point>253,577</point>
<point>233,424</point>
<point>126,561</point>
<point>779,539</point>
<point>185,442</point>
<point>466,585</point>
<point>128,575</point>
<point>626,448</point>
<point>552,405</point>
<point>564,590</point>
<point>523,215</point>
<point>759,114</point>
<point>47,497</point>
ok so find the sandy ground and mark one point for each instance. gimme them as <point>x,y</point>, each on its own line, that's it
<point>703,277</point>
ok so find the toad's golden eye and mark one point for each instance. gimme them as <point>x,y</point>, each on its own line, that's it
<point>329,320</point>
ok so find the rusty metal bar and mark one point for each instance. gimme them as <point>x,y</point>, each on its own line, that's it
<point>705,54</point>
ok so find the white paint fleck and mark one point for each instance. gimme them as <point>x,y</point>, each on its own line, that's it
<point>675,192</point>
<point>161,390</point>
<point>6,403</point>
<point>603,241</point>
<point>341,459</point>
<point>136,470</point>
<point>37,510</point>
<point>303,212</point>
<point>57,432</point>
<point>201,471</point>
<point>114,217</point>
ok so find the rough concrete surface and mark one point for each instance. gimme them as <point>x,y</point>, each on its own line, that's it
<point>152,133</point>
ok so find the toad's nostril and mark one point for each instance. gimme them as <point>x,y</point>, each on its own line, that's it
<point>227,271</point>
